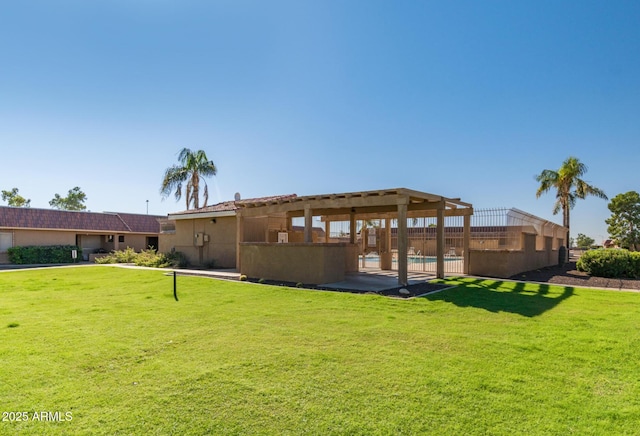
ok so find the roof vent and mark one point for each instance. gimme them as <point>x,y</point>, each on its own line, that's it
<point>237,196</point>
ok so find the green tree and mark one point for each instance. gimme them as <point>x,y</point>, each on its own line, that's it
<point>193,167</point>
<point>569,187</point>
<point>73,201</point>
<point>14,199</point>
<point>583,241</point>
<point>624,223</point>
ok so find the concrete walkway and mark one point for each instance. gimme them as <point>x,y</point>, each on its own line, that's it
<point>367,279</point>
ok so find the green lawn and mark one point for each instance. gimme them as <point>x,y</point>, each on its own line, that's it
<point>112,347</point>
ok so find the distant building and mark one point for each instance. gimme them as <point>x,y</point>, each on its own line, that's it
<point>92,231</point>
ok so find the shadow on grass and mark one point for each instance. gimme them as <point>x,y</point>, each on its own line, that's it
<point>526,299</point>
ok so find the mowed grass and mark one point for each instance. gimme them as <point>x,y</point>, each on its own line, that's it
<point>113,347</point>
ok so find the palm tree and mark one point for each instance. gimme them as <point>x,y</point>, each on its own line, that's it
<point>194,166</point>
<point>569,187</point>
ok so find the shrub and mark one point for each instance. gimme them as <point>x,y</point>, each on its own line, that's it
<point>43,254</point>
<point>243,278</point>
<point>178,259</point>
<point>150,258</point>
<point>210,264</point>
<point>127,255</point>
<point>610,263</point>
<point>107,258</point>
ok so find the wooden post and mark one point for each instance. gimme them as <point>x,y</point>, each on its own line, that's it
<point>308,224</point>
<point>440,241</point>
<point>327,230</point>
<point>466,243</point>
<point>386,257</point>
<point>239,238</point>
<point>403,279</point>
<point>352,228</point>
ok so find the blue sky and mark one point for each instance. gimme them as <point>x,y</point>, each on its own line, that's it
<point>467,99</point>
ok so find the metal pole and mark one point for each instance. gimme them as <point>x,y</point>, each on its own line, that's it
<point>175,293</point>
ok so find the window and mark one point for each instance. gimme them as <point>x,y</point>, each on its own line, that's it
<point>6,241</point>
<point>120,238</point>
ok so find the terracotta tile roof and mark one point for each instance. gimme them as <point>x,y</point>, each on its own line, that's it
<point>141,223</point>
<point>31,218</point>
<point>230,206</point>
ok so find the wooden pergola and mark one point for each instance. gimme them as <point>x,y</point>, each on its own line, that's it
<point>400,204</point>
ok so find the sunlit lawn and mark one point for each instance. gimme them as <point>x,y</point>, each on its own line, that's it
<point>112,347</point>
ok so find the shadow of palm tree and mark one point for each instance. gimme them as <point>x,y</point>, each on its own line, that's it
<point>526,299</point>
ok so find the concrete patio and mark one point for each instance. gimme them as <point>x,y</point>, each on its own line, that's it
<point>376,280</point>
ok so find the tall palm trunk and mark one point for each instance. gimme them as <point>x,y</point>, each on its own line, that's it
<point>565,222</point>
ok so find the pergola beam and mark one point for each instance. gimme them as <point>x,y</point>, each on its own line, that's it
<point>363,202</point>
<point>391,215</point>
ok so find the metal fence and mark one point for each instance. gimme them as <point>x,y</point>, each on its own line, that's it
<point>422,244</point>
<point>502,229</point>
<point>491,229</point>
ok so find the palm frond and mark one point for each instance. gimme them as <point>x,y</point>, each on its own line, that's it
<point>583,189</point>
<point>548,179</point>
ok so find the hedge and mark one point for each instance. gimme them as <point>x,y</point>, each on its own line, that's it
<point>43,254</point>
<point>610,263</point>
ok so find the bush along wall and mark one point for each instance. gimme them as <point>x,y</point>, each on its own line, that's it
<point>44,255</point>
<point>611,263</point>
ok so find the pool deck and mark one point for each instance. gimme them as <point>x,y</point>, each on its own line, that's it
<point>376,280</point>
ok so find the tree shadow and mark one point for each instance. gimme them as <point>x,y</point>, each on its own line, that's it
<point>526,299</point>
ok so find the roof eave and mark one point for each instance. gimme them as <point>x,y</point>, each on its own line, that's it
<point>193,215</point>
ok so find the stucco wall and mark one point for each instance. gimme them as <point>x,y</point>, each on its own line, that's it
<point>296,262</point>
<point>137,242</point>
<point>507,263</point>
<point>22,238</point>
<point>496,263</point>
<point>219,249</point>
<point>166,241</point>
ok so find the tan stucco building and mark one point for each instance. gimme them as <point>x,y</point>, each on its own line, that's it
<point>320,238</point>
<point>92,231</point>
<point>260,238</point>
